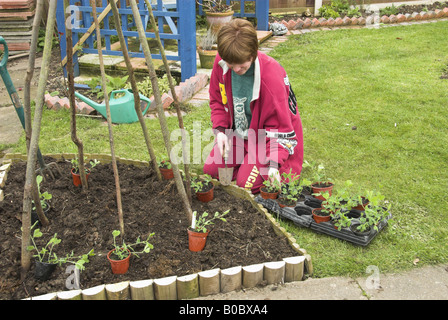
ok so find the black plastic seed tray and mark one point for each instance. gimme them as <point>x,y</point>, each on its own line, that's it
<point>301,216</point>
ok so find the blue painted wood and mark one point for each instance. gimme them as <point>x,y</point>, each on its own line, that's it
<point>187,42</point>
<point>180,18</point>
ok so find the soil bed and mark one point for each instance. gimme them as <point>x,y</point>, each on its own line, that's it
<point>86,221</point>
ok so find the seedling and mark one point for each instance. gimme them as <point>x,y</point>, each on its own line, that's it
<point>46,254</point>
<point>75,165</point>
<point>200,224</point>
<point>122,250</point>
<point>44,197</point>
<point>200,184</point>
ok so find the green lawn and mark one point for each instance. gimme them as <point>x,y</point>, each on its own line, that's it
<point>386,83</point>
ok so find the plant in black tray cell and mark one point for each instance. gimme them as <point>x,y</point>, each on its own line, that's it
<point>321,182</point>
<point>376,211</point>
<point>270,189</point>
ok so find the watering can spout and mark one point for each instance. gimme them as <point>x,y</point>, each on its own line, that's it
<point>91,103</point>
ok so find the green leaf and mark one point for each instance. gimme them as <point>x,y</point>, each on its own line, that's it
<point>37,233</point>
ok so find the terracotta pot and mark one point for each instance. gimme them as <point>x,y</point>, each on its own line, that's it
<point>285,203</point>
<point>317,218</point>
<point>167,174</point>
<point>77,178</point>
<point>268,195</point>
<point>207,58</point>
<point>361,206</point>
<point>319,187</point>
<point>196,240</point>
<point>215,20</point>
<point>119,266</point>
<point>205,196</point>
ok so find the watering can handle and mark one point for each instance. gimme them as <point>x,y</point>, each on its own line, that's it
<point>5,53</point>
<point>112,95</point>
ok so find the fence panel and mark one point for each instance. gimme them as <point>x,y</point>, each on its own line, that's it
<point>177,21</point>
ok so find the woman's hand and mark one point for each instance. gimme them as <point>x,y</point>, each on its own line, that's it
<point>223,144</point>
<point>274,175</point>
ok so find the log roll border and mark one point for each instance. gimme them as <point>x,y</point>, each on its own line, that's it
<point>191,286</point>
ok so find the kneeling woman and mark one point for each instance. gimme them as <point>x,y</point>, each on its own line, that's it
<point>253,111</point>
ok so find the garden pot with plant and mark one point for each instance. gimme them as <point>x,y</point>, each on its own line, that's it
<point>320,215</point>
<point>119,256</point>
<point>291,189</point>
<point>217,13</point>
<point>47,260</point>
<point>166,169</point>
<point>75,170</point>
<point>203,188</point>
<point>330,207</point>
<point>321,182</point>
<point>361,203</point>
<point>375,212</point>
<point>207,50</point>
<point>270,189</point>
<point>198,232</point>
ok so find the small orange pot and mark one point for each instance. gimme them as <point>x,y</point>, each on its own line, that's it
<point>361,207</point>
<point>119,266</point>
<point>167,174</point>
<point>196,240</point>
<point>205,196</point>
<point>77,178</point>
<point>268,195</point>
<point>317,218</point>
<point>319,187</point>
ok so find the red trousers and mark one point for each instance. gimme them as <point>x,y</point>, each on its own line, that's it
<point>248,172</point>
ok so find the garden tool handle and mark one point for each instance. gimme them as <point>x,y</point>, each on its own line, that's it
<point>5,52</point>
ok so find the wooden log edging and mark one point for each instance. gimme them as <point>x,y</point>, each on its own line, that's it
<point>319,22</point>
<point>203,283</point>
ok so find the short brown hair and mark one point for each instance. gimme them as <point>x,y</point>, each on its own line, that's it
<point>238,41</point>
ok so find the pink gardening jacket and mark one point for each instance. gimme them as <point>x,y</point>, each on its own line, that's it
<point>274,110</point>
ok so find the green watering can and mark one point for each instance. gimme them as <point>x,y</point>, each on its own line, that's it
<point>122,109</point>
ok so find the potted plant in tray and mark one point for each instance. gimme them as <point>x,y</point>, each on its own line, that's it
<point>270,189</point>
<point>166,169</point>
<point>47,260</point>
<point>329,207</point>
<point>119,257</point>
<point>376,211</point>
<point>207,50</point>
<point>217,13</point>
<point>291,189</point>
<point>75,170</point>
<point>198,232</point>
<point>321,183</point>
<point>203,187</point>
